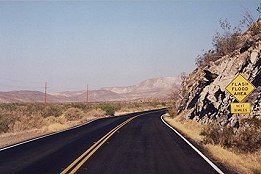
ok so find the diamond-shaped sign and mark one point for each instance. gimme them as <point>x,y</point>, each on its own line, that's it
<point>240,88</point>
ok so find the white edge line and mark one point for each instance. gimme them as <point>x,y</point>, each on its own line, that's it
<point>193,147</point>
<point>47,135</point>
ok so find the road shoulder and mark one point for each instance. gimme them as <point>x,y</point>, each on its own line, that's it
<point>192,137</point>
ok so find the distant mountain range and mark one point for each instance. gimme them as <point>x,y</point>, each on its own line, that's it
<point>152,88</point>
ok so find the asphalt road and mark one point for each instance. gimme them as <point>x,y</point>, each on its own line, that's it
<point>116,145</point>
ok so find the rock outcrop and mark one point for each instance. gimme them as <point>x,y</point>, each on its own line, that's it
<point>207,100</point>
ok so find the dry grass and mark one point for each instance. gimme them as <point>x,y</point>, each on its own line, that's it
<point>189,128</point>
<point>243,163</point>
<point>12,138</point>
<point>240,163</point>
<point>20,122</point>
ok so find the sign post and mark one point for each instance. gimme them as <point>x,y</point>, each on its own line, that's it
<point>240,88</point>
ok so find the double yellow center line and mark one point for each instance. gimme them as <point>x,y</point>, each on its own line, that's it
<point>76,164</point>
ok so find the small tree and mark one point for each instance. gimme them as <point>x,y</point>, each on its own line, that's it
<point>226,42</point>
<point>177,95</point>
<point>110,108</point>
<point>259,10</point>
<point>248,19</point>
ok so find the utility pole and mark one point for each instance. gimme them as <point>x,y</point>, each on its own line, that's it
<point>45,93</point>
<point>87,94</point>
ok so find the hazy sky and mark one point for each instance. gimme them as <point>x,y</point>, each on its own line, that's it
<point>105,43</point>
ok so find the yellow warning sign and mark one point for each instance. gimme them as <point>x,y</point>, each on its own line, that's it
<point>240,88</point>
<point>240,108</point>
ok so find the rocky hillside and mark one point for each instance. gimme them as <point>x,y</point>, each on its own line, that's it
<point>151,88</point>
<point>206,98</point>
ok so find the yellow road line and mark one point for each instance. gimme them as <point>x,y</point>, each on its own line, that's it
<point>89,152</point>
<point>96,148</point>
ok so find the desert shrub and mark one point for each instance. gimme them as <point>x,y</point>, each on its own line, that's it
<point>4,125</point>
<point>33,108</point>
<point>45,110</point>
<point>135,105</point>
<point>225,43</point>
<point>110,108</point>
<point>172,110</point>
<point>73,114</point>
<point>256,28</point>
<point>246,139</point>
<point>52,110</point>
<point>177,96</point>
<point>81,106</point>
<point>206,58</point>
<point>8,106</point>
<point>212,134</point>
<point>25,122</point>
<point>215,134</point>
<point>7,118</point>
<point>95,113</point>
<point>229,40</point>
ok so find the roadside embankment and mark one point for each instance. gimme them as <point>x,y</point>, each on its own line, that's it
<point>235,162</point>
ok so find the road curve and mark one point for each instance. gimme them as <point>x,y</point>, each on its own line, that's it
<point>132,144</point>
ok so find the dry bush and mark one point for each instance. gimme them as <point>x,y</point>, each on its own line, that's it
<point>28,122</point>
<point>256,28</point>
<point>225,44</point>
<point>246,139</point>
<point>73,114</point>
<point>50,120</point>
<point>7,118</point>
<point>52,110</point>
<point>82,106</point>
<point>243,163</point>
<point>215,134</point>
<point>206,58</point>
<point>54,127</point>
<point>110,108</point>
<point>189,128</point>
<point>4,125</point>
<point>95,113</point>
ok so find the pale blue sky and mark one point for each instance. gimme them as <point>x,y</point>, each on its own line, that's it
<point>105,43</point>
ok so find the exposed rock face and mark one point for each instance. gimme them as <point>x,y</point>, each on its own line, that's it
<point>207,99</point>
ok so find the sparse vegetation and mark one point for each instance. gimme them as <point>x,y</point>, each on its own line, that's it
<point>33,119</point>
<point>229,40</point>
<point>4,125</point>
<point>110,108</point>
<point>247,137</point>
<point>73,114</point>
<point>237,161</point>
<point>177,95</point>
<point>236,146</point>
<point>223,43</point>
